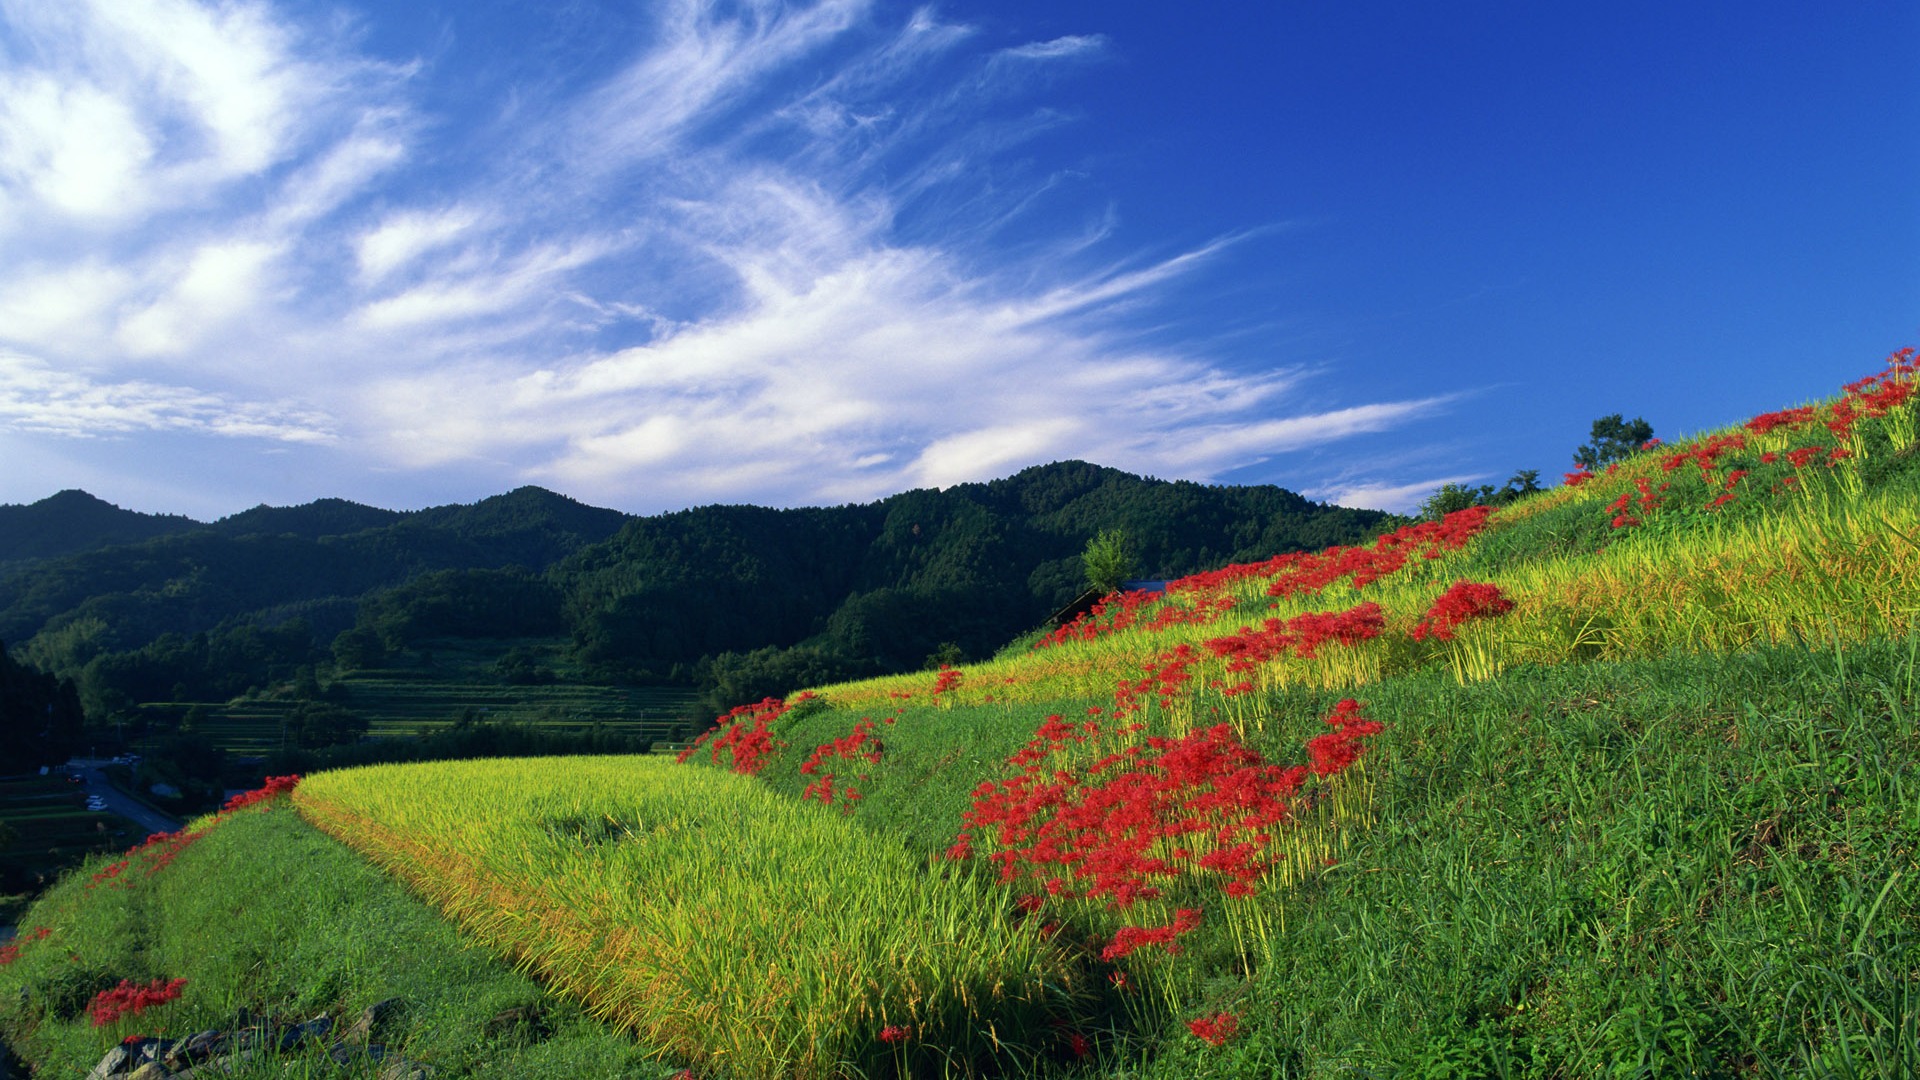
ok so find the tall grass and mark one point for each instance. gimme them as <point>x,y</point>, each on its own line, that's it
<point>717,920</point>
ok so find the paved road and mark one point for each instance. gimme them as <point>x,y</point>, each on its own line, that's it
<point>146,817</point>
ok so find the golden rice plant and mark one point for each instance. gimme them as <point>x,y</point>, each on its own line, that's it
<point>721,923</point>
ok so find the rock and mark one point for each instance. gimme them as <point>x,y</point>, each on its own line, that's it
<point>225,1065</point>
<point>373,1021</point>
<point>196,1048</point>
<point>118,1061</point>
<point>346,1054</point>
<point>315,1029</point>
<point>152,1070</point>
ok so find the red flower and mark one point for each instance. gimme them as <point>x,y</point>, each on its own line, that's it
<point>1466,600</point>
<point>1215,1030</point>
<point>131,999</point>
<point>895,1033</point>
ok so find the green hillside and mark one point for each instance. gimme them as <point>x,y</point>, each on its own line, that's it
<point>1616,781</point>
<point>240,622</point>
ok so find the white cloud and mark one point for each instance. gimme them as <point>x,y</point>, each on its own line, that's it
<point>1059,48</point>
<point>66,308</point>
<point>686,283</point>
<point>216,283</point>
<point>404,237</point>
<point>36,398</point>
<point>75,149</point>
<point>1398,498</point>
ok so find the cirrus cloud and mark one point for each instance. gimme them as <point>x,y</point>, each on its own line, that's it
<point>689,280</point>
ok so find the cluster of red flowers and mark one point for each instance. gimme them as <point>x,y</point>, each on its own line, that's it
<point>1875,396</point>
<point>858,746</point>
<point>1130,938</point>
<point>1311,573</point>
<point>948,679</point>
<point>745,734</point>
<point>1464,601</point>
<point>1215,1030</point>
<point>131,999</point>
<point>274,786</point>
<point>1205,597</point>
<point>1200,805</point>
<point>895,1033</point>
<point>1301,635</point>
<point>160,849</point>
<point>1785,418</point>
<point>10,951</point>
<point>1109,615</point>
<point>1336,750</point>
<point>1168,673</point>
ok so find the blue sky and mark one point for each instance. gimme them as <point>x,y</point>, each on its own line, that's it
<point>655,255</point>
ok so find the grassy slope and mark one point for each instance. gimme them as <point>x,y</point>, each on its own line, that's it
<point>1659,820</point>
<point>268,914</point>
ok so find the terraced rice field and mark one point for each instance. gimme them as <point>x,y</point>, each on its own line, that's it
<point>51,827</point>
<point>458,684</point>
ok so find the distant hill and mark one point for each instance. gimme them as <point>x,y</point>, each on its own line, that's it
<point>324,517</point>
<point>74,521</point>
<point>850,589</point>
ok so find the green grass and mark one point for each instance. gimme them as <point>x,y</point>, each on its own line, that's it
<point>1660,819</point>
<point>747,932</point>
<point>1693,865</point>
<point>267,914</point>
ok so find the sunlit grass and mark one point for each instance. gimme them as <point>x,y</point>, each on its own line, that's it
<point>709,915</point>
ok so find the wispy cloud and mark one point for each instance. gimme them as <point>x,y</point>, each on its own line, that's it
<point>690,281</point>
<point>36,398</point>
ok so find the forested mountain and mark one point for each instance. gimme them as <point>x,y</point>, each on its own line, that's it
<point>73,521</point>
<point>732,594</point>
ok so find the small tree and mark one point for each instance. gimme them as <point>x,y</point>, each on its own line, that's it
<point>1614,439</point>
<point>1523,482</point>
<point>1108,560</point>
<point>1452,497</point>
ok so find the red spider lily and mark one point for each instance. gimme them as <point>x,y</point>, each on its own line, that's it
<point>10,951</point>
<point>858,746</point>
<point>745,734</point>
<point>1335,751</point>
<point>1785,418</point>
<point>1132,938</point>
<point>157,851</point>
<point>895,1033</point>
<point>1576,477</point>
<point>131,999</point>
<point>1201,598</point>
<point>1466,600</point>
<point>1202,806</point>
<point>1706,456</point>
<point>274,786</point>
<point>1215,1030</point>
<point>949,679</point>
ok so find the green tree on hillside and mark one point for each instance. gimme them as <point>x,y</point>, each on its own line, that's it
<point>1452,497</point>
<point>1108,559</point>
<point>1614,439</point>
